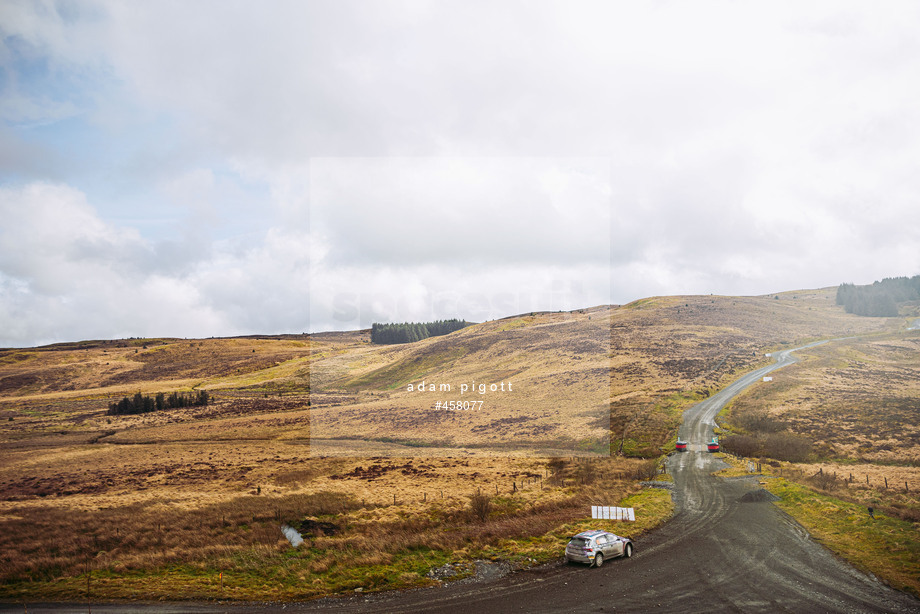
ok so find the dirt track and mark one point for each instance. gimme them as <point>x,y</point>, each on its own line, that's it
<point>717,554</point>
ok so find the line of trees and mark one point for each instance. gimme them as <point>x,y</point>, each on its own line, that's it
<point>407,332</point>
<point>142,404</point>
<point>880,298</point>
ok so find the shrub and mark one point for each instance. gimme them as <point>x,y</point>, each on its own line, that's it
<point>756,422</point>
<point>742,445</point>
<point>787,446</point>
<point>557,467</point>
<point>647,469</point>
<point>825,481</point>
<point>481,505</point>
<point>586,472</point>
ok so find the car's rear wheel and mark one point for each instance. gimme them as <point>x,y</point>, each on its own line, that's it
<point>627,551</point>
<point>598,559</point>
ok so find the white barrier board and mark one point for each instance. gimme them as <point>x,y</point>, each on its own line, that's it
<point>603,512</point>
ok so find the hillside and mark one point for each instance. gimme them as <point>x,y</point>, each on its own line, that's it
<point>563,372</point>
<point>568,369</point>
<point>326,426</point>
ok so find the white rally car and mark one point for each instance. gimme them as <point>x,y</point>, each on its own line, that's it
<point>594,547</point>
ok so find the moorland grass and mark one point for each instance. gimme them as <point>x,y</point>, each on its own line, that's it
<point>73,507</point>
<point>235,550</point>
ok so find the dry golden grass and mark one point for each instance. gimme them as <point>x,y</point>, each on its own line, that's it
<point>159,501</point>
<point>172,534</point>
<point>570,371</point>
<point>867,474</point>
<point>557,366</point>
<point>857,399</point>
<point>116,367</point>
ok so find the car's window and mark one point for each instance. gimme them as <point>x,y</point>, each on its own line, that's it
<point>601,540</point>
<point>578,541</point>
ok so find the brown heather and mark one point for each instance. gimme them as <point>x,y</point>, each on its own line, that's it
<point>159,505</point>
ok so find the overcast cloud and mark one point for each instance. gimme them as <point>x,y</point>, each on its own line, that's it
<point>218,168</point>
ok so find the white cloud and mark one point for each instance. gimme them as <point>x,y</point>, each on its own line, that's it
<point>414,239</point>
<point>66,274</point>
<point>446,149</point>
<point>52,239</point>
<point>481,210</point>
<point>263,287</point>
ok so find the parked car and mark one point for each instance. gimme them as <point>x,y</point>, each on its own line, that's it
<point>594,547</point>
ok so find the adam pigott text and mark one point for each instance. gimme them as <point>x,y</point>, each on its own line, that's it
<point>472,387</point>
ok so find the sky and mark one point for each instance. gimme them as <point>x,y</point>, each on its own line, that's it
<point>216,168</point>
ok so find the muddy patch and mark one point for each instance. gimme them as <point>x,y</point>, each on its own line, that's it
<point>758,496</point>
<point>318,528</point>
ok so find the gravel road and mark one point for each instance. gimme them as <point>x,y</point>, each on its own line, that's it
<point>718,554</point>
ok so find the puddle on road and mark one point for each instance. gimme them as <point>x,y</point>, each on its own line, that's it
<point>699,461</point>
